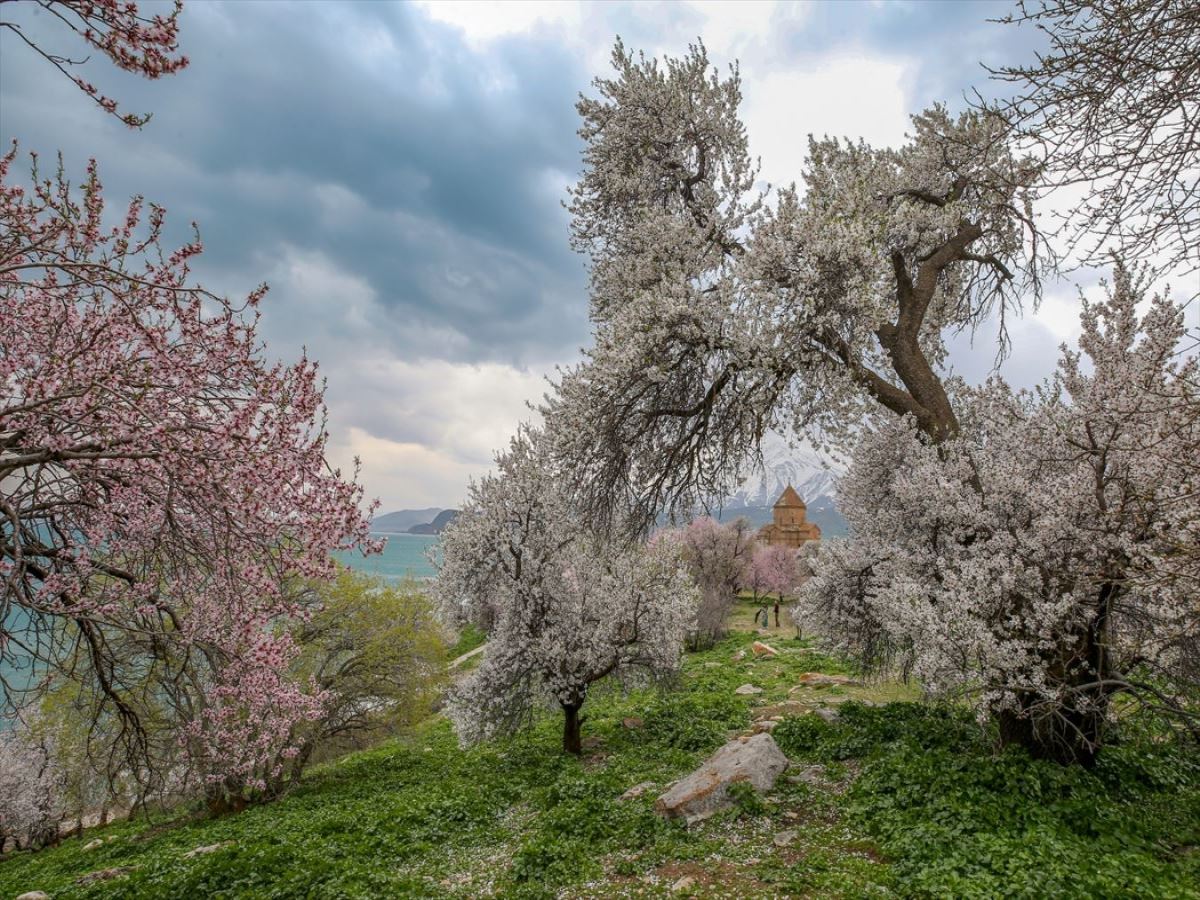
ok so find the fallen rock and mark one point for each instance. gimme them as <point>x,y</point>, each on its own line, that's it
<point>684,883</point>
<point>34,895</point>
<point>820,680</point>
<point>756,759</point>
<point>784,838</point>
<point>637,790</point>
<point>829,715</point>
<point>633,722</point>
<point>105,874</point>
<point>748,689</point>
<point>761,649</point>
<point>93,844</point>
<point>211,848</point>
<point>739,656</point>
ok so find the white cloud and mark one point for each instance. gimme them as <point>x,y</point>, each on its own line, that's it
<point>845,96</point>
<point>459,416</point>
<point>485,20</point>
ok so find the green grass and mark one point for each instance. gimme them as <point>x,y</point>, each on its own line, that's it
<point>904,800</point>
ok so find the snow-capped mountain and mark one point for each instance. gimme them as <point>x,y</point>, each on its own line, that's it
<point>813,476</point>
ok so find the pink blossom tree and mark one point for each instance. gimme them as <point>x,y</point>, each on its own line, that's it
<point>143,44</point>
<point>163,482</point>
<point>773,570</point>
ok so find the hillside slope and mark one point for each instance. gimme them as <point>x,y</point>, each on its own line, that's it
<point>899,800</point>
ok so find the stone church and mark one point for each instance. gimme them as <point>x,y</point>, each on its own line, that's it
<point>790,529</point>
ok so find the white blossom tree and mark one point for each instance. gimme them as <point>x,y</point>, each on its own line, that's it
<point>719,316</point>
<point>32,802</point>
<point>1113,105</point>
<point>718,557</point>
<point>566,609</point>
<point>1044,559</point>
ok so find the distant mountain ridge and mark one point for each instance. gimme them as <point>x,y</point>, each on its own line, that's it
<point>414,521</point>
<point>440,521</point>
<point>403,519</point>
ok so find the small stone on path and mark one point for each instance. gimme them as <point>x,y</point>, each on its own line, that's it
<point>820,680</point>
<point>105,874</point>
<point>210,848</point>
<point>812,775</point>
<point>637,790</point>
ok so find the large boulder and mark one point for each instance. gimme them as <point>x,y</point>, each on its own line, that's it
<point>756,759</point>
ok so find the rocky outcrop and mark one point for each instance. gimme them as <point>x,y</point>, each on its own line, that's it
<point>756,760</point>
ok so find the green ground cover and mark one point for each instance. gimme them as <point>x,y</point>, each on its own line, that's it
<point>902,799</point>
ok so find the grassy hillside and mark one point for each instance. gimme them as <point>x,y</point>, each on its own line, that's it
<point>902,799</point>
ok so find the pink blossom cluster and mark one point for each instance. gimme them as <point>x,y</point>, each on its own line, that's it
<point>143,44</point>
<point>159,474</point>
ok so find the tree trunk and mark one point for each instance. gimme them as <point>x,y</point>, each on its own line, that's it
<point>776,613</point>
<point>571,725</point>
<point>1069,737</point>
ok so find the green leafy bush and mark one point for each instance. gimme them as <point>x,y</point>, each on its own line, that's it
<point>695,721</point>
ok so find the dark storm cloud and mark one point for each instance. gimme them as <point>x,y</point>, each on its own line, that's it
<point>948,43</point>
<point>449,165</point>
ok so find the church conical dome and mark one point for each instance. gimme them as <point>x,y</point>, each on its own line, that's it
<point>789,498</point>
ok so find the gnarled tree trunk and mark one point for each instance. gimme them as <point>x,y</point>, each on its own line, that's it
<point>572,742</point>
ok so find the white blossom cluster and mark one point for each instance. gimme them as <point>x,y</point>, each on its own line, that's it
<point>563,608</point>
<point>1046,557</point>
<point>720,315</point>
<point>32,791</point>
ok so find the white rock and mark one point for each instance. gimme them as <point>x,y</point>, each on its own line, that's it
<point>747,689</point>
<point>683,883</point>
<point>34,895</point>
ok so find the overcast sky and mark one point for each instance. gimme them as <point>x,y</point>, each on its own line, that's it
<point>396,172</point>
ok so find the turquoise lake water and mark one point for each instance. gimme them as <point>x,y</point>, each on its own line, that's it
<point>406,555</point>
